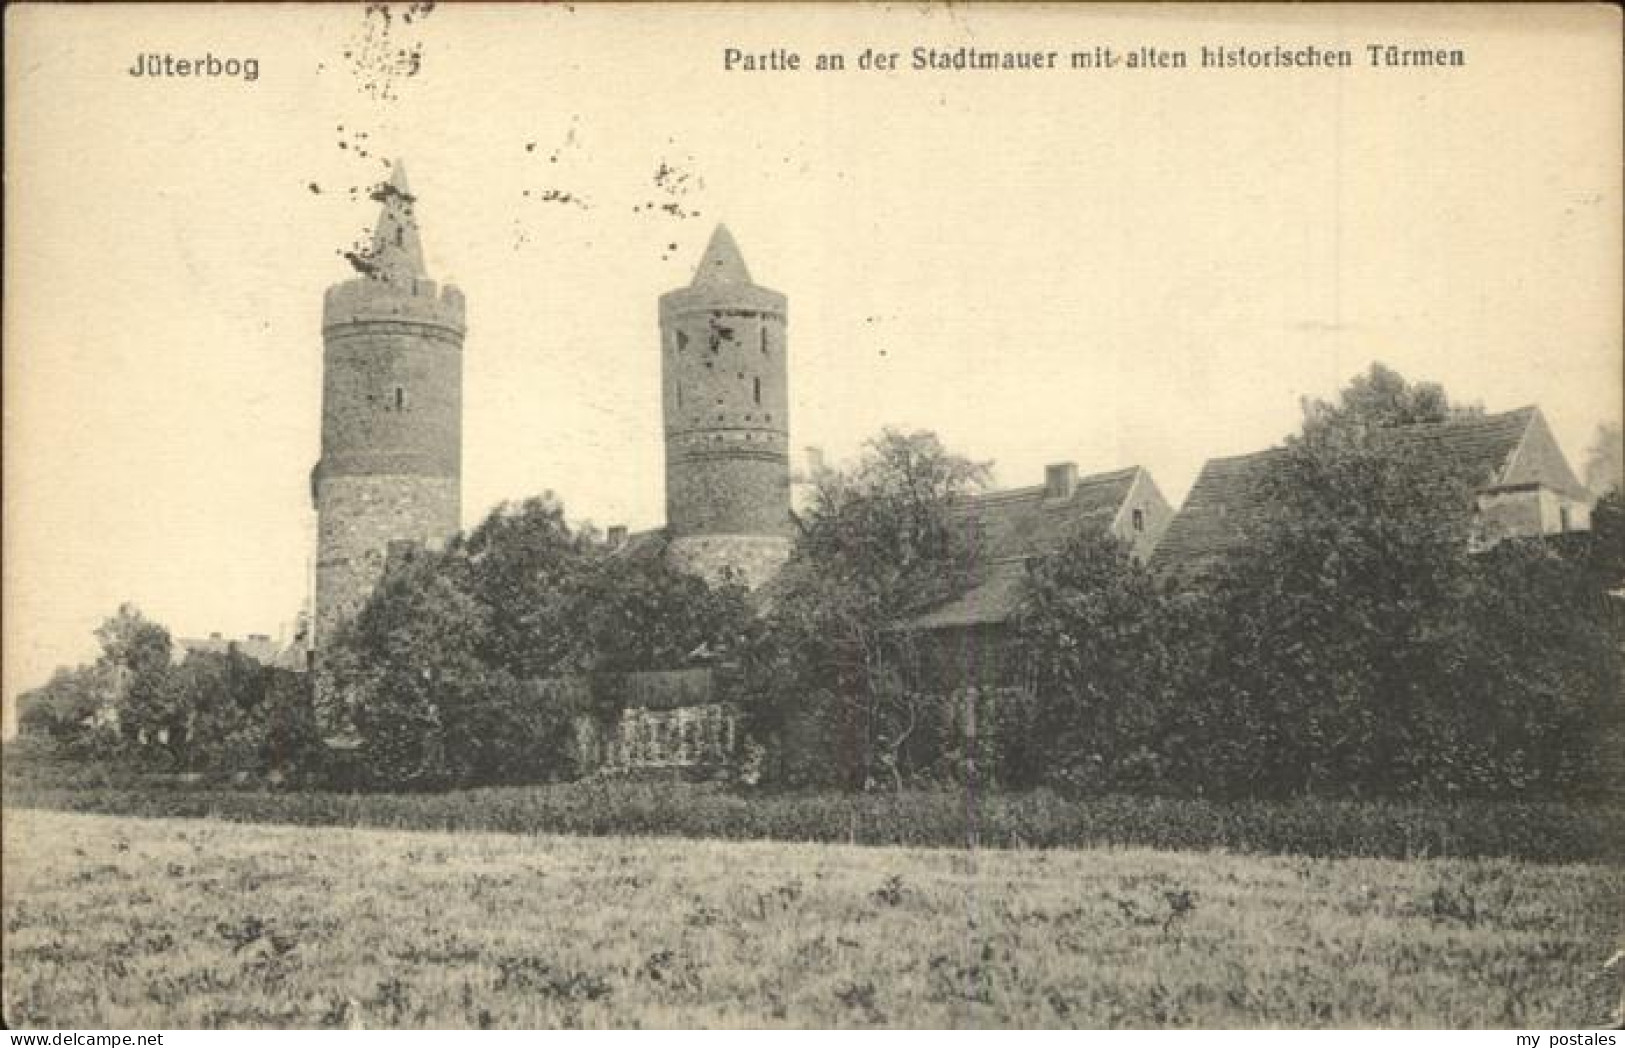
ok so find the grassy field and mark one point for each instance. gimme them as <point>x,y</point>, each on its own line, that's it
<point>132,922</point>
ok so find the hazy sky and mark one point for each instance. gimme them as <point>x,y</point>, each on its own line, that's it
<point>1113,266</point>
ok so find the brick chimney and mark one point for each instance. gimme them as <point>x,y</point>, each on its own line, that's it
<point>1060,480</point>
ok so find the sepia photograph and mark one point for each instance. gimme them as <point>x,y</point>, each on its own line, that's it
<point>696,516</point>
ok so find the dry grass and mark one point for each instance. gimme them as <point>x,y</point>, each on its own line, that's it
<point>131,922</point>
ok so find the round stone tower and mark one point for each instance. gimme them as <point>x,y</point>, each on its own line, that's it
<point>726,408</point>
<point>390,472</point>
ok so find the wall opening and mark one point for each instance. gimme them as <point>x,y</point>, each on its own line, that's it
<point>400,398</point>
<point>756,391</point>
<point>1138,519</point>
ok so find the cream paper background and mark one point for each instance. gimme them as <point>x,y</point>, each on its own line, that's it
<point>1115,267</point>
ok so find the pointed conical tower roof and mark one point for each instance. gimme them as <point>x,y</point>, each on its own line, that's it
<point>392,278</point>
<point>397,249</point>
<point>722,262</point>
<point>721,280</point>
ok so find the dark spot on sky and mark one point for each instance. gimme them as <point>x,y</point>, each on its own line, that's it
<point>362,263</point>
<point>385,191</point>
<point>314,188</point>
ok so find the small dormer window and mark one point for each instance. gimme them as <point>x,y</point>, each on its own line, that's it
<point>1137,519</point>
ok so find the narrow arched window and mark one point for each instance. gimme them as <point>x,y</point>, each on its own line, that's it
<point>764,339</point>
<point>400,398</point>
<point>756,384</point>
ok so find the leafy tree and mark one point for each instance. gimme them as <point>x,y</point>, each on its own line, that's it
<point>74,710</point>
<point>879,544</point>
<point>136,651</point>
<point>240,717</point>
<point>1523,683</point>
<point>631,613</point>
<point>521,566</point>
<point>1604,548</point>
<point>1380,397</point>
<point>1605,460</point>
<point>432,711</point>
<point>1096,628</point>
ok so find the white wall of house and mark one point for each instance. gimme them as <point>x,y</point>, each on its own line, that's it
<point>1528,512</point>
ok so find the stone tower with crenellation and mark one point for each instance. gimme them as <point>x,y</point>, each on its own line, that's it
<point>390,472</point>
<point>726,408</point>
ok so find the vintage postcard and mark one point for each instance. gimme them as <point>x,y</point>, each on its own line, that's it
<point>813,515</point>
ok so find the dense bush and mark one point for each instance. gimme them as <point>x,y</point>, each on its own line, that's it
<point>1106,669</point>
<point>1358,644</point>
<point>438,673</point>
<point>213,714</point>
<point>1543,832</point>
<point>70,711</point>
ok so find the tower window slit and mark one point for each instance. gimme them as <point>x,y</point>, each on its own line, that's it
<point>756,384</point>
<point>400,398</point>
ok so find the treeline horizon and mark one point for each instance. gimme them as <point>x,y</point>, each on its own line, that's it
<point>1357,646</point>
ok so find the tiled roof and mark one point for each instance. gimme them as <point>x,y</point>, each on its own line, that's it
<point>1228,500</point>
<point>1222,509</point>
<point>1480,446</point>
<point>994,599</point>
<point>1024,522</point>
<point>1007,527</point>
